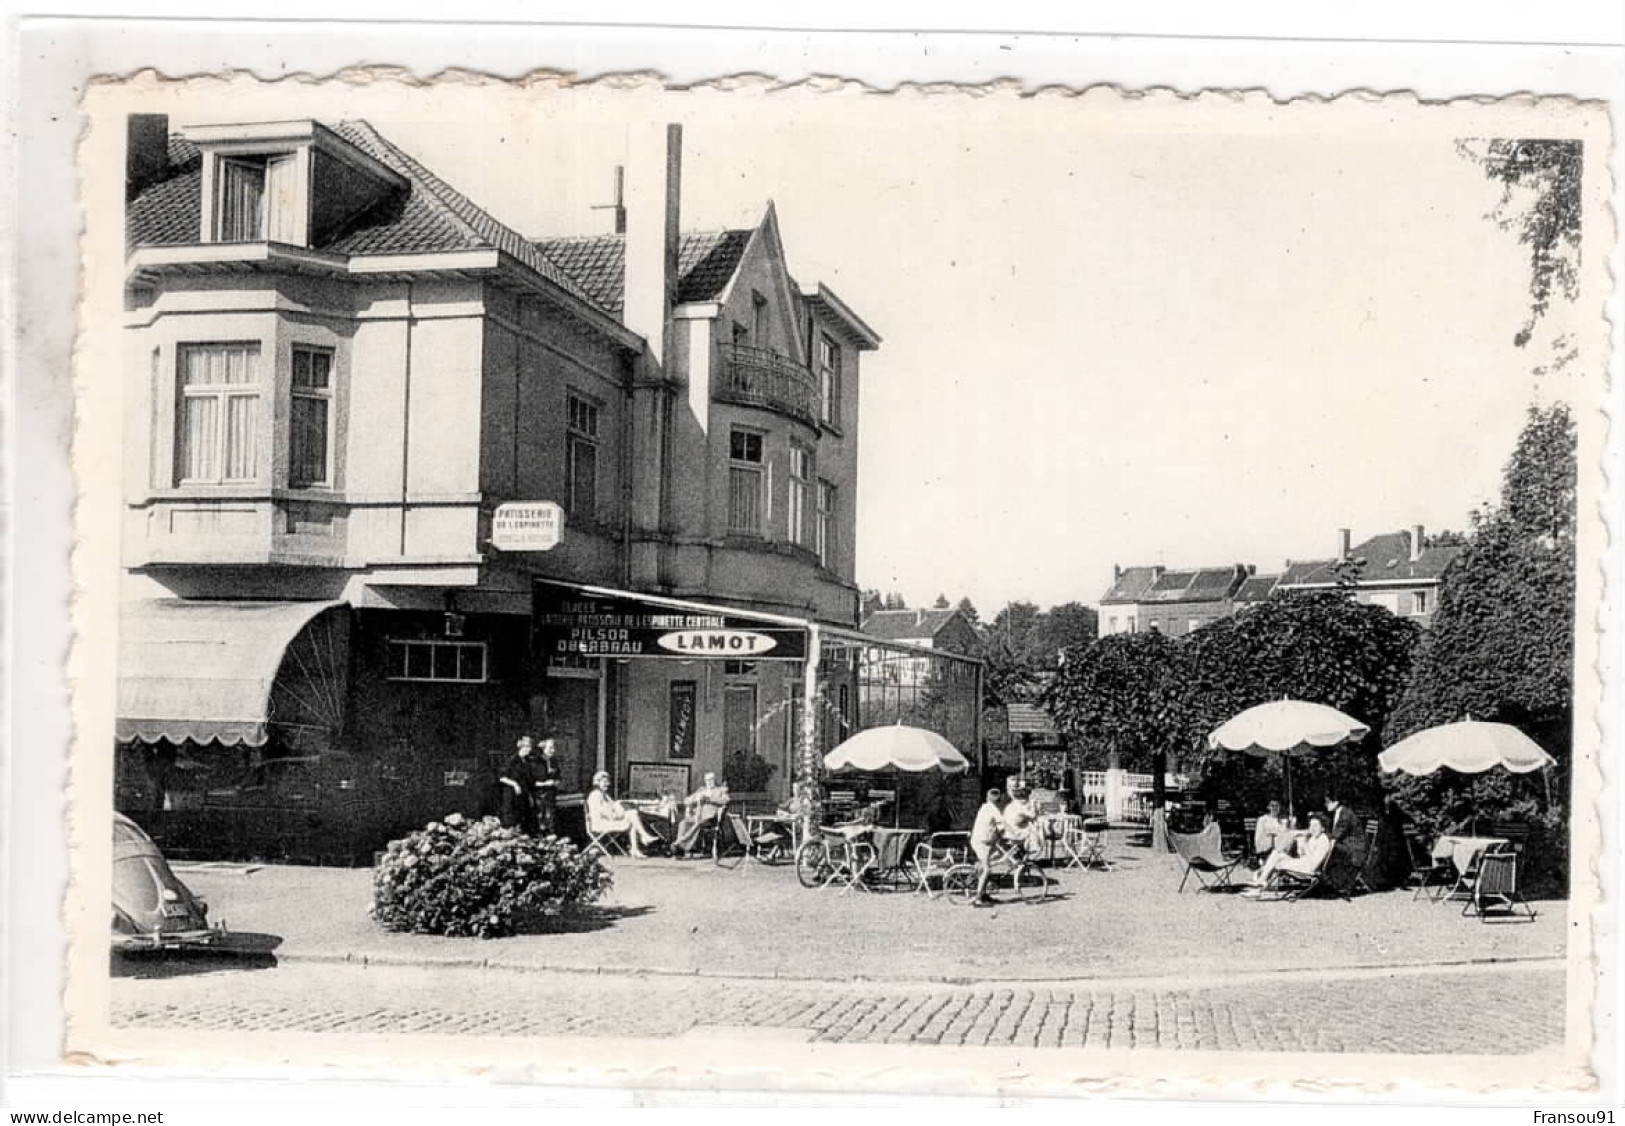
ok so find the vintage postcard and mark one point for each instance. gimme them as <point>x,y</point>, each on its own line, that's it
<point>956,589</point>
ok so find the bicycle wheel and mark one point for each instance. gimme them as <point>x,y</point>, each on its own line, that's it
<point>1032,886</point>
<point>959,883</point>
<point>812,864</point>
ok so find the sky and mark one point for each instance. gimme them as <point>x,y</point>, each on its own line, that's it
<point>1113,332</point>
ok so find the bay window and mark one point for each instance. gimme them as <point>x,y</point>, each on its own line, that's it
<point>746,478</point>
<point>310,418</point>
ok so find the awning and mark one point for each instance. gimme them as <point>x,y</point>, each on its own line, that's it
<point>205,671</point>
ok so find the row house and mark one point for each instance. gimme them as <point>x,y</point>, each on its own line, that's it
<point>338,370</point>
<point>1172,602</point>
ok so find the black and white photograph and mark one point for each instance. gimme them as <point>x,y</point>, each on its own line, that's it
<point>1081,584</point>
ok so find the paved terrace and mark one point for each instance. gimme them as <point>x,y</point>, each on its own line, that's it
<point>692,917</point>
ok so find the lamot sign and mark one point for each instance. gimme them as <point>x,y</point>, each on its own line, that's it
<point>570,623</point>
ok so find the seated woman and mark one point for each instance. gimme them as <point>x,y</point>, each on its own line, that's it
<point>606,815</point>
<point>1312,849</point>
<point>1272,829</point>
<point>701,808</point>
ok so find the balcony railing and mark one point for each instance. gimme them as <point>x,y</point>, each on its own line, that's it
<point>757,377</point>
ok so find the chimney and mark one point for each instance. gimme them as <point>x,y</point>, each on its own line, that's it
<point>1416,542</point>
<point>653,190</point>
<point>146,150</point>
<point>1117,572</point>
<point>1342,544</point>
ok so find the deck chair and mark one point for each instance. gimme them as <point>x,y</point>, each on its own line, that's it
<point>735,839</point>
<point>1496,887</point>
<point>1204,858</point>
<point>1426,869</point>
<point>1085,845</point>
<point>1287,885</point>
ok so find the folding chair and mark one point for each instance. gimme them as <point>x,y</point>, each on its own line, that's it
<point>611,840</point>
<point>1204,858</point>
<point>1286,885</point>
<point>849,860</point>
<point>1497,887</point>
<point>934,856</point>
<point>765,846</point>
<point>1085,846</point>
<point>1425,868</point>
<point>1362,881</point>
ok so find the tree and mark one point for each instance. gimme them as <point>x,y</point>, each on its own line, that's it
<point>1125,694</point>
<point>1063,627</point>
<point>941,603</point>
<point>1501,646</point>
<point>1549,223</point>
<point>870,602</point>
<point>968,608</point>
<point>1322,647</point>
<point>894,601</point>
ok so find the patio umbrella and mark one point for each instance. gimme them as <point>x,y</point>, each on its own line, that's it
<point>1288,728</point>
<point>1467,747</point>
<point>912,749</point>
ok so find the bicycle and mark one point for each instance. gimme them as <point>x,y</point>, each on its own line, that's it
<point>1007,863</point>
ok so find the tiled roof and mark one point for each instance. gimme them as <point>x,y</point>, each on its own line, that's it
<point>1130,584</point>
<point>903,625</point>
<point>1302,570</point>
<point>1256,588</point>
<point>706,260</point>
<point>429,216</point>
<point>1205,584</point>
<point>1387,559</point>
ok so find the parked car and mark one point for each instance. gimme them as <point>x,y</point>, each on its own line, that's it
<point>152,909</point>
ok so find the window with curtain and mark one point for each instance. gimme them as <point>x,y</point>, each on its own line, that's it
<point>798,510</point>
<point>255,198</point>
<point>746,478</point>
<point>217,429</point>
<point>824,538</point>
<point>310,418</point>
<point>829,380</point>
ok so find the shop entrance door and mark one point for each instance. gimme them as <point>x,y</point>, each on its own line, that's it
<point>738,720</point>
<point>573,709</point>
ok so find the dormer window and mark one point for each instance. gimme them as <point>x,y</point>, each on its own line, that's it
<point>257,199</point>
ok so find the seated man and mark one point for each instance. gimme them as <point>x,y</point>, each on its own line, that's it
<point>1272,830</point>
<point>1312,849</point>
<point>701,808</point>
<point>606,815</point>
<point>1021,821</point>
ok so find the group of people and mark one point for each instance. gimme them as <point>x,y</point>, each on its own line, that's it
<point>1004,819</point>
<point>1283,848</point>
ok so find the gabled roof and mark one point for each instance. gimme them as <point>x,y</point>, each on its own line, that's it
<point>1130,585</point>
<point>706,261</point>
<point>1297,572</point>
<point>905,625</point>
<point>1387,559</point>
<point>430,216</point>
<point>1256,588</point>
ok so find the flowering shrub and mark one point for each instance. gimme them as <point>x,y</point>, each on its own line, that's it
<point>461,878</point>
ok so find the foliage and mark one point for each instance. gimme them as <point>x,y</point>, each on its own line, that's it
<point>870,602</point>
<point>747,772</point>
<point>1501,644</point>
<point>941,603</point>
<point>1024,647</point>
<point>1125,694</point>
<point>966,607</point>
<point>478,879</point>
<point>1549,222</point>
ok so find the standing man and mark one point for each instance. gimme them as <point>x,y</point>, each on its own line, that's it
<point>1348,841</point>
<point>518,780</point>
<point>985,835</point>
<point>547,789</point>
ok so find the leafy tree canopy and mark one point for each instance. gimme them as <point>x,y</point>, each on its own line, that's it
<point>941,603</point>
<point>968,608</point>
<point>1126,693</point>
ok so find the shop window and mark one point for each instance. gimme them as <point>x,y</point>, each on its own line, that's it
<point>454,662</point>
<point>217,424</point>
<point>310,455</point>
<point>746,481</point>
<point>581,456</point>
<point>738,668</point>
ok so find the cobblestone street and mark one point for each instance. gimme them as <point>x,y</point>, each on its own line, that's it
<point>1402,1010</point>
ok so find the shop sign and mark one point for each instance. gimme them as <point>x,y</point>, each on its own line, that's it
<point>572,624</point>
<point>527,526</point>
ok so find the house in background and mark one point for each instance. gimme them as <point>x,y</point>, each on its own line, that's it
<point>1399,571</point>
<point>337,369</point>
<point>1172,602</point>
<point>942,631</point>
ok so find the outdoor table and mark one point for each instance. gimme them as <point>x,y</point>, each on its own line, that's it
<point>1463,851</point>
<point>894,847</point>
<point>761,823</point>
